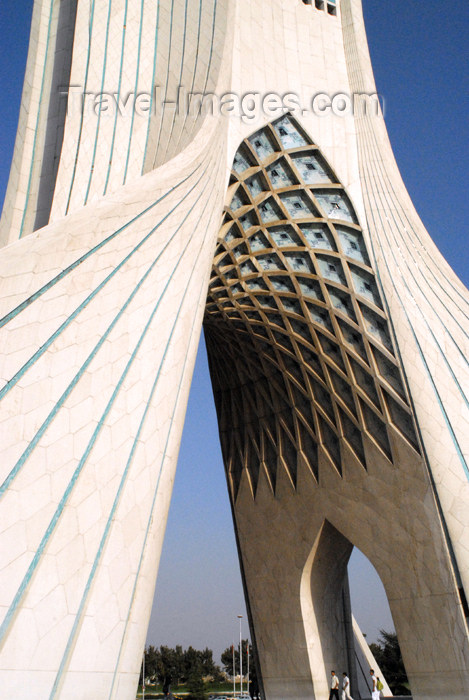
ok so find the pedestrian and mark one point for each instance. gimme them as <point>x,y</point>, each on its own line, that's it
<point>374,690</point>
<point>334,692</point>
<point>346,687</point>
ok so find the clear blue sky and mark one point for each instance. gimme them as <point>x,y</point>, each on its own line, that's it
<point>419,52</point>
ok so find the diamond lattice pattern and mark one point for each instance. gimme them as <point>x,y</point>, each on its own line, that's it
<point>301,353</point>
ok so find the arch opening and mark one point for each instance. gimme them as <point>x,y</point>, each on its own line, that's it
<point>333,636</point>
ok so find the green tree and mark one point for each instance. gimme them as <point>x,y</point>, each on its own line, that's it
<point>174,666</point>
<point>196,686</point>
<point>227,658</point>
<point>151,663</point>
<point>389,658</point>
<point>227,663</point>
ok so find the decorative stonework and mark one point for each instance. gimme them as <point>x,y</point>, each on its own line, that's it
<point>301,348</point>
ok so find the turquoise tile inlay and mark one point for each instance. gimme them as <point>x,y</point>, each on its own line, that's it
<point>137,75</point>
<point>85,88</point>
<point>69,647</point>
<point>203,291</point>
<point>24,305</point>
<point>113,140</point>
<point>33,443</point>
<point>36,130</point>
<point>103,76</point>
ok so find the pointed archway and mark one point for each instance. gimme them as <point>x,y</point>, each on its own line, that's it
<point>316,425</point>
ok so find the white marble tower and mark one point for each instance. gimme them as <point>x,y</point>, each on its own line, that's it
<point>337,339</point>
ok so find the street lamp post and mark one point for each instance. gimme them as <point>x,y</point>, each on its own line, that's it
<point>234,672</point>
<point>247,650</point>
<point>240,617</point>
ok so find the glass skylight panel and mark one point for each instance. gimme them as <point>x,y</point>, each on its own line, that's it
<point>389,371</point>
<point>342,302</point>
<point>259,242</point>
<point>298,205</point>
<point>225,261</point>
<point>270,262</point>
<point>292,305</point>
<point>376,326</point>
<point>240,250</point>
<point>269,211</point>
<point>267,301</point>
<point>256,185</point>
<point>299,262</point>
<point>247,268</point>
<point>248,220</point>
<point>321,317</point>
<point>331,269</point>
<point>365,284</point>
<point>242,160</point>
<point>318,236</point>
<point>231,274</point>
<point>257,285</point>
<point>310,168</point>
<point>239,199</point>
<point>353,338</point>
<point>280,174</point>
<point>335,205</point>
<point>282,284</point>
<point>262,144</point>
<point>353,244</point>
<point>232,234</point>
<point>289,134</point>
<point>283,236</point>
<point>310,288</point>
